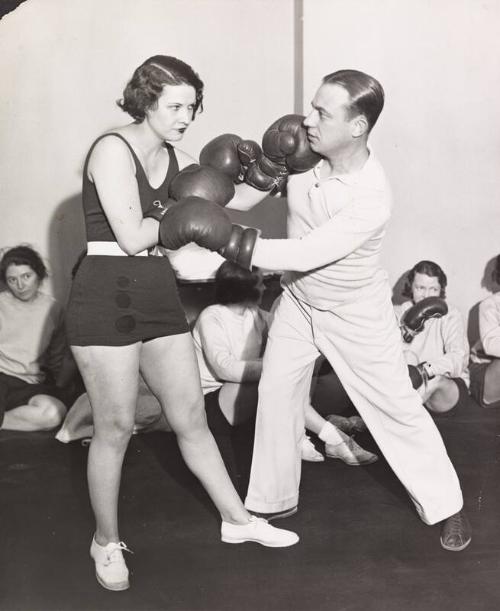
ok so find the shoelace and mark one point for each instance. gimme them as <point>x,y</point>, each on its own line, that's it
<point>117,546</point>
<point>454,526</point>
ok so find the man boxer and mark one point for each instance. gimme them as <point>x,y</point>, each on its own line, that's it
<point>337,301</point>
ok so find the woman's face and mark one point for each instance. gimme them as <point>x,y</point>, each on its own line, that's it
<point>425,286</point>
<point>22,281</point>
<point>173,112</point>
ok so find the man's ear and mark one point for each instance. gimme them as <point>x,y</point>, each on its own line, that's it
<point>359,126</point>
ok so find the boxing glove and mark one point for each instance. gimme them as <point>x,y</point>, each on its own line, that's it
<point>158,209</point>
<point>267,175</point>
<point>414,318</point>
<point>202,181</point>
<point>195,219</point>
<point>231,155</point>
<point>420,374</point>
<point>285,142</point>
<point>240,246</point>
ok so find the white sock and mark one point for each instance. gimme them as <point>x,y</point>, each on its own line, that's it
<point>330,434</point>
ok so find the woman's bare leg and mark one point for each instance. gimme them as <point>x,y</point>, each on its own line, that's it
<point>111,377</point>
<point>42,413</point>
<point>170,368</point>
<point>440,394</point>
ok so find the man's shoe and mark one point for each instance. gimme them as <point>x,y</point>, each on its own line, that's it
<point>257,530</point>
<point>350,452</point>
<point>308,452</point>
<point>456,532</point>
<point>351,425</point>
<point>110,568</point>
<point>276,515</point>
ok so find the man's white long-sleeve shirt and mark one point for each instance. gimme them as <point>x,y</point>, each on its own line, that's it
<point>335,230</point>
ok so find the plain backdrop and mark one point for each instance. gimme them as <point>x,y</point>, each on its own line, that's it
<point>63,64</point>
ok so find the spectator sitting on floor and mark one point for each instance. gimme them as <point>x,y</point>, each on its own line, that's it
<point>485,354</point>
<point>36,368</point>
<point>230,338</point>
<point>438,353</point>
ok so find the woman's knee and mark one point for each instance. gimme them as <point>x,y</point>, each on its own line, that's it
<point>114,428</point>
<point>190,419</point>
<point>51,411</point>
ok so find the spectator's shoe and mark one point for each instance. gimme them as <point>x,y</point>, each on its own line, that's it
<point>456,532</point>
<point>350,452</point>
<point>351,425</point>
<point>110,568</point>
<point>276,515</point>
<point>257,530</point>
<point>308,451</point>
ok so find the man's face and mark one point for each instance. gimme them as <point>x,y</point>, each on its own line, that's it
<point>329,130</point>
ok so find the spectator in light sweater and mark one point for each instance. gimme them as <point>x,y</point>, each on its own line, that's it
<point>35,365</point>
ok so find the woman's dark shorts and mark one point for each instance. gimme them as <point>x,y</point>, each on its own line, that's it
<point>116,301</point>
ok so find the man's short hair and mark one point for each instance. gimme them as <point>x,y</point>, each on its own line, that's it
<point>366,93</point>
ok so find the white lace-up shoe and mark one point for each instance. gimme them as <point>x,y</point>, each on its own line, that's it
<point>257,530</point>
<point>350,452</point>
<point>110,568</point>
<point>308,451</point>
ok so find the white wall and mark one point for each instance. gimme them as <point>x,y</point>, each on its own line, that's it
<point>63,63</point>
<point>439,134</point>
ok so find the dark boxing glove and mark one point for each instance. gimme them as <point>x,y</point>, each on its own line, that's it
<point>285,142</point>
<point>420,374</point>
<point>286,151</point>
<point>267,175</point>
<point>231,155</point>
<point>202,181</point>
<point>197,220</point>
<point>414,318</point>
<point>240,246</point>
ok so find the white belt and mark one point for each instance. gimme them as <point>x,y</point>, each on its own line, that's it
<point>111,249</point>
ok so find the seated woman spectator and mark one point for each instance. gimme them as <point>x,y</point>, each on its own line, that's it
<point>35,364</point>
<point>485,354</point>
<point>439,350</point>
<point>230,338</point>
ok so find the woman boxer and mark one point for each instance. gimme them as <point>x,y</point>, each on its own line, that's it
<point>124,314</point>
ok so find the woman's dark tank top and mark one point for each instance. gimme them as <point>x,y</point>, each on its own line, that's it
<point>96,224</point>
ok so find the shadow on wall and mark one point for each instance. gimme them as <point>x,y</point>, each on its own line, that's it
<point>66,242</point>
<point>488,282</point>
<point>269,216</point>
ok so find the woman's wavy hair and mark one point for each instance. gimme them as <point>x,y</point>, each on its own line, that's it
<point>147,82</point>
<point>22,255</point>
<point>234,284</point>
<point>429,268</point>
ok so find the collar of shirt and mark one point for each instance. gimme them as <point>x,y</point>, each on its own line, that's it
<point>368,175</point>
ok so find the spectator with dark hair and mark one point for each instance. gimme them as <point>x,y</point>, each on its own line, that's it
<point>34,373</point>
<point>438,353</point>
<point>230,338</point>
<point>485,354</point>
